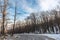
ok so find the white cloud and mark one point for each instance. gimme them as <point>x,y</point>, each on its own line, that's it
<point>48,4</point>
<point>27,8</point>
<point>42,5</point>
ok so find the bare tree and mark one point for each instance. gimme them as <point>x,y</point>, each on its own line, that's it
<point>14,17</point>
<point>4,14</point>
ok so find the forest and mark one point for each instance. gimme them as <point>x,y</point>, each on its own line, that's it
<point>43,22</point>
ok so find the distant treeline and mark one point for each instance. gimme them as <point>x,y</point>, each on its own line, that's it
<point>43,22</point>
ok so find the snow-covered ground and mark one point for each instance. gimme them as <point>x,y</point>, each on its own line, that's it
<point>26,36</point>
<point>55,36</point>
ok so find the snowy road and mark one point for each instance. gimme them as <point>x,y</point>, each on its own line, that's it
<point>32,37</point>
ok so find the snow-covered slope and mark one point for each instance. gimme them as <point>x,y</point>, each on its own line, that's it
<point>26,36</point>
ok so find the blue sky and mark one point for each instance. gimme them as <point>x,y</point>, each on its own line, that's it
<point>26,7</point>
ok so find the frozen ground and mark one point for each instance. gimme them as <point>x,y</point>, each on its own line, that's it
<point>32,37</point>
